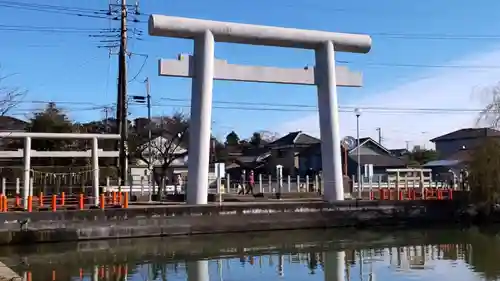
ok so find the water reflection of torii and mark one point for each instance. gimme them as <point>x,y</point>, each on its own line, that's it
<point>362,260</point>
<point>197,271</point>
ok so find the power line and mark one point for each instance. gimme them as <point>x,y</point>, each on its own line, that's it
<point>271,107</point>
<point>345,108</point>
<point>47,30</point>
<point>56,102</point>
<point>342,110</point>
<point>141,67</point>
<point>35,27</point>
<point>435,36</point>
<point>416,36</point>
<point>386,64</point>
<point>103,16</point>
<point>47,6</point>
<point>55,9</point>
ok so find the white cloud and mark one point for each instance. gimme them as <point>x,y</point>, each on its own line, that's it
<point>442,88</point>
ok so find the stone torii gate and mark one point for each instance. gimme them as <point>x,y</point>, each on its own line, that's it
<point>203,68</point>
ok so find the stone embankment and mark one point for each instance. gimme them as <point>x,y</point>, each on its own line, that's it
<point>150,221</point>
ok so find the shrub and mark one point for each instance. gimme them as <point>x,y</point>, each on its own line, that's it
<point>484,173</point>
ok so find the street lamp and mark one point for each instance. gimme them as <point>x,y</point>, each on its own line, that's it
<point>357,111</point>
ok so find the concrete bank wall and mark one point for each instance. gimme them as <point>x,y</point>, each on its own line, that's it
<point>23,228</point>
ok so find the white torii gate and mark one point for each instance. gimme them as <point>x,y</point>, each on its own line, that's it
<point>27,153</point>
<point>204,68</point>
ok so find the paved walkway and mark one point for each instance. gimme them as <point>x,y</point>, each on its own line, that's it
<point>7,274</point>
<point>241,203</point>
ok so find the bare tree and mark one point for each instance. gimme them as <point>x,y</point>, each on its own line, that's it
<point>269,136</point>
<point>10,97</point>
<point>490,115</point>
<point>170,137</point>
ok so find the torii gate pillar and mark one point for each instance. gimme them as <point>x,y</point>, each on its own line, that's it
<point>205,69</point>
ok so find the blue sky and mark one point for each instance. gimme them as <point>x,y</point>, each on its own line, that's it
<point>68,66</point>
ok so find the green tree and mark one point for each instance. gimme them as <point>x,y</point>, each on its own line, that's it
<point>421,156</point>
<point>220,153</point>
<point>232,139</point>
<point>105,126</point>
<point>52,120</point>
<point>256,139</point>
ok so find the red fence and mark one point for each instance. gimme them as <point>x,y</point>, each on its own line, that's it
<point>54,202</point>
<point>412,194</point>
<point>114,272</point>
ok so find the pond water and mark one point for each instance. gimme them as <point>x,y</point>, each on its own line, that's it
<point>329,255</point>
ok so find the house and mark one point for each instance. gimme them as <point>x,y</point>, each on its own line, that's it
<point>455,150</point>
<point>400,152</point>
<point>468,139</point>
<point>163,149</point>
<point>453,163</point>
<point>285,151</point>
<point>12,124</point>
<point>371,152</point>
<point>256,163</point>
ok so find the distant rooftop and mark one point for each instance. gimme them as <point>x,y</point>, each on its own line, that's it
<point>468,133</point>
<point>442,163</point>
<point>295,138</point>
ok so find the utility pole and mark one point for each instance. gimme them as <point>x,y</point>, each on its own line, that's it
<point>121,111</point>
<point>407,145</point>
<point>150,149</point>
<point>379,130</point>
<point>106,111</point>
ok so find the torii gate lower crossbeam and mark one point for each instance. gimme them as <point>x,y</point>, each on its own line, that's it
<point>205,33</point>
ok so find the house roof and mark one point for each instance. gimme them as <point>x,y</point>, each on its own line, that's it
<point>363,141</point>
<point>442,163</point>
<point>8,123</point>
<point>468,133</point>
<point>376,160</point>
<point>295,138</point>
<point>379,160</point>
<point>246,159</point>
<point>399,152</point>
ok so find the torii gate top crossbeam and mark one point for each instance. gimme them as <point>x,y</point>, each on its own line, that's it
<point>178,27</point>
<point>18,135</point>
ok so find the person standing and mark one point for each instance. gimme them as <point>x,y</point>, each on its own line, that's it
<point>179,184</point>
<point>242,188</point>
<point>251,182</point>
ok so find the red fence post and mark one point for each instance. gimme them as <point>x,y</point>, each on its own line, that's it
<point>63,198</point>
<point>5,203</point>
<point>81,203</point>
<point>125,200</point>
<point>40,199</point>
<point>102,201</point>
<point>30,203</point>
<point>54,203</point>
